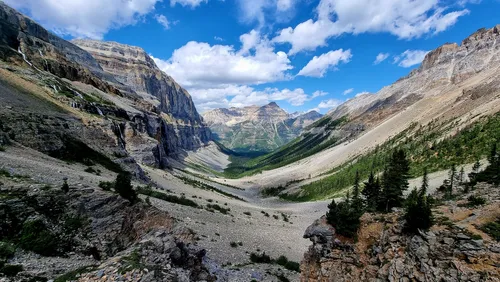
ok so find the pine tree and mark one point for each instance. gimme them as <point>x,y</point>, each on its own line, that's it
<point>124,187</point>
<point>452,174</point>
<point>461,175</point>
<point>356,201</point>
<point>473,175</point>
<point>395,181</point>
<point>344,216</point>
<point>418,212</point>
<point>371,192</point>
<point>425,184</point>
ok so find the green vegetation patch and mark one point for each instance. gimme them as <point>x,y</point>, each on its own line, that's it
<point>302,147</point>
<point>431,146</point>
<point>169,198</point>
<point>74,274</point>
<point>282,260</point>
<point>492,229</point>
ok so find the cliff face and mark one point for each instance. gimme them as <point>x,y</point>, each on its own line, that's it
<point>256,128</point>
<point>441,69</point>
<point>454,249</point>
<point>139,113</point>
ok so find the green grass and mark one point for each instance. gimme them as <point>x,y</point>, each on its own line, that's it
<point>423,149</point>
<point>169,198</point>
<point>74,274</point>
<point>204,186</point>
<point>131,262</point>
<point>492,229</point>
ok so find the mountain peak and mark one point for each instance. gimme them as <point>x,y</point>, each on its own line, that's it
<point>273,104</point>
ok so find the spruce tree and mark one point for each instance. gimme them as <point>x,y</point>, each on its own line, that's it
<point>371,192</point>
<point>418,212</point>
<point>356,201</point>
<point>124,187</point>
<point>452,174</point>
<point>395,181</point>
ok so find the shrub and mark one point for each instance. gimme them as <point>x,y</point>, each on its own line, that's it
<point>11,270</point>
<point>233,244</point>
<point>169,198</point>
<point>218,208</point>
<point>290,265</point>
<point>92,170</point>
<point>124,187</point>
<point>4,172</point>
<point>7,250</point>
<point>260,258</point>
<point>492,229</point>
<point>475,201</point>
<point>73,275</point>
<point>36,237</point>
<point>2,149</point>
<point>343,217</point>
<point>418,213</point>
<point>65,187</point>
<point>247,213</point>
<point>106,185</point>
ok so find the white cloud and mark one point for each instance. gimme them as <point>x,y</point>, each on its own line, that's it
<point>85,18</point>
<point>328,104</point>
<point>380,58</point>
<point>261,10</point>
<point>242,95</point>
<point>318,66</point>
<point>190,3</point>
<point>218,38</point>
<point>318,93</point>
<point>200,65</point>
<point>161,19</point>
<point>347,91</point>
<point>410,58</point>
<point>406,19</point>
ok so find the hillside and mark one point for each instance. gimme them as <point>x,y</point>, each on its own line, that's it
<point>135,115</point>
<point>456,86</point>
<point>257,129</point>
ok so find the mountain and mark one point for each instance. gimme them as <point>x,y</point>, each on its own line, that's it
<point>257,129</point>
<point>111,97</point>
<point>455,91</point>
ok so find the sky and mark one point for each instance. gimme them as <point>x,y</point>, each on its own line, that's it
<point>302,54</point>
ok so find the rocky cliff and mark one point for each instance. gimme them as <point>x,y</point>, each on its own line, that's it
<point>138,113</point>
<point>256,128</point>
<point>454,249</point>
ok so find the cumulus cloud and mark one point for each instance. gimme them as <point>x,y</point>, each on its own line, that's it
<point>242,95</point>
<point>328,104</point>
<point>85,18</point>
<point>406,19</point>
<point>318,66</point>
<point>201,65</point>
<point>189,3</point>
<point>222,76</point>
<point>380,58</point>
<point>347,91</point>
<point>161,19</point>
<point>410,58</point>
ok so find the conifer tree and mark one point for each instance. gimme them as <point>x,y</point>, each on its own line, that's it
<point>371,192</point>
<point>124,187</point>
<point>418,212</point>
<point>395,181</point>
<point>356,201</point>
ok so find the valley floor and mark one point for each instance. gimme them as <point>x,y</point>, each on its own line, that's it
<point>254,224</point>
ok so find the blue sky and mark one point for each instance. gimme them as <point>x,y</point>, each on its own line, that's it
<point>303,54</point>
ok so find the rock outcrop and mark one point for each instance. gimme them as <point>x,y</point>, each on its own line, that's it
<point>142,114</point>
<point>453,250</point>
<point>256,128</point>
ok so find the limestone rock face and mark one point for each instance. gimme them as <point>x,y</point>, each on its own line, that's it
<point>144,115</point>
<point>443,67</point>
<point>257,128</point>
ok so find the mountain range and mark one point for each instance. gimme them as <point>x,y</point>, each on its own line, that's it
<point>257,129</point>
<point>109,173</point>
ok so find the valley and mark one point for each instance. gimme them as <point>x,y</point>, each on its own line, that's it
<point>108,172</point>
